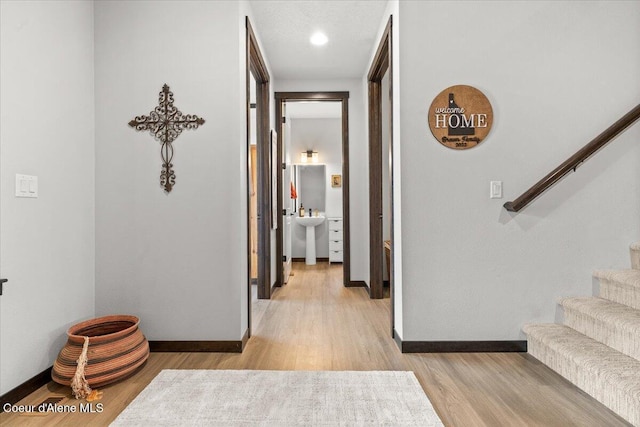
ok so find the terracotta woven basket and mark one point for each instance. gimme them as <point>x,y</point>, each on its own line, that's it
<point>117,348</point>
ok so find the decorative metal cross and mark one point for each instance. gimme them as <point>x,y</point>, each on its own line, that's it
<point>165,123</point>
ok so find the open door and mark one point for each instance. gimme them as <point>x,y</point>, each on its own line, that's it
<point>288,196</point>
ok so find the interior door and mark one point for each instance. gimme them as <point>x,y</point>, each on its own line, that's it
<point>287,210</point>
<point>253,212</point>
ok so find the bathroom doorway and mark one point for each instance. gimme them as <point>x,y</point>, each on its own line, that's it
<point>336,180</point>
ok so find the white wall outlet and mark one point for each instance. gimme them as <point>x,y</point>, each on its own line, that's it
<point>495,190</point>
<point>26,186</point>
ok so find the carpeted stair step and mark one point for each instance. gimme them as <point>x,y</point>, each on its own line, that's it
<point>613,324</point>
<point>621,286</point>
<point>606,374</point>
<point>635,256</point>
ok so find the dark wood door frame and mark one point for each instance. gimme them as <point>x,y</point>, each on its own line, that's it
<point>382,63</point>
<point>343,97</point>
<point>255,66</point>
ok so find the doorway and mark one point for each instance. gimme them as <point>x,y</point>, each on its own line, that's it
<point>258,172</point>
<point>312,183</point>
<point>381,240</point>
<point>281,99</point>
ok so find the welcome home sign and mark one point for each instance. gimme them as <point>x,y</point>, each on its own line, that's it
<point>460,117</point>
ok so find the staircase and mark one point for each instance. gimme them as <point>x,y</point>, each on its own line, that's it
<point>598,346</point>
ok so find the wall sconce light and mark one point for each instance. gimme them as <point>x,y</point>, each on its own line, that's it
<point>309,156</point>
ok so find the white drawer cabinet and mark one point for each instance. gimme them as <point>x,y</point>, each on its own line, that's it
<point>335,245</point>
<point>335,240</point>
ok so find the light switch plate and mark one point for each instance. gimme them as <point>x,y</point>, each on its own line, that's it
<point>495,191</point>
<point>26,186</point>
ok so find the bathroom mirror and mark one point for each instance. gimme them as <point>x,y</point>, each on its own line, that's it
<point>310,181</point>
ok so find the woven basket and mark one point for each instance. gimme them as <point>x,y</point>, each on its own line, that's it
<point>117,348</point>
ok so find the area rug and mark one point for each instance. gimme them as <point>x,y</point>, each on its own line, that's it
<point>280,398</point>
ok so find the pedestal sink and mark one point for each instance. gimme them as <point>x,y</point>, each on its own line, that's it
<point>310,222</point>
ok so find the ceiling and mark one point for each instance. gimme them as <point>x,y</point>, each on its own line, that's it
<point>284,29</point>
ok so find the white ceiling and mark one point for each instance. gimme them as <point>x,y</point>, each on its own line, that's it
<point>314,110</point>
<point>284,29</point>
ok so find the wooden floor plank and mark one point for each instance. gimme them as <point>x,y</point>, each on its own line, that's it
<point>314,323</point>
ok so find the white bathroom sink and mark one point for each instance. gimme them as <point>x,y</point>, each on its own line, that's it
<point>310,221</point>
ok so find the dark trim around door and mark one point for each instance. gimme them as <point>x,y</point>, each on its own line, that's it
<point>255,65</point>
<point>382,63</point>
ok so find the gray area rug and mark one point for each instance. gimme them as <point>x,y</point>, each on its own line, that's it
<point>280,398</point>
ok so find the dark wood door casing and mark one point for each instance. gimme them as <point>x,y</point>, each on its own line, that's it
<point>380,66</point>
<point>256,66</point>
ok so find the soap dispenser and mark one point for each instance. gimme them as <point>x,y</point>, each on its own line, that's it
<point>301,210</point>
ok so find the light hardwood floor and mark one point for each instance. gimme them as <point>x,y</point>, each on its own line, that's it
<point>314,323</point>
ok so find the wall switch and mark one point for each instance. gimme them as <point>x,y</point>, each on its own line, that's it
<point>495,191</point>
<point>26,186</point>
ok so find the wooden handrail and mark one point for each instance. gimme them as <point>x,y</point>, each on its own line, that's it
<point>574,161</point>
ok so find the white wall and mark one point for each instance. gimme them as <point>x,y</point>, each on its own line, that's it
<point>557,74</point>
<point>325,137</point>
<point>358,163</point>
<point>178,260</point>
<point>47,244</point>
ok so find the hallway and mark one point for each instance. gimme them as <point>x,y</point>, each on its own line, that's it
<point>314,323</point>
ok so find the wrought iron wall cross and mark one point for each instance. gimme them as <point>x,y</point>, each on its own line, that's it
<point>165,123</point>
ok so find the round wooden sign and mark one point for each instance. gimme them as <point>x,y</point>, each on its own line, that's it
<point>460,117</point>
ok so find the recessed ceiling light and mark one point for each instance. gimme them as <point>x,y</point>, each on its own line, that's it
<point>318,39</point>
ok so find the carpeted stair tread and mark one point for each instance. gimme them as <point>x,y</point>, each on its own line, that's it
<point>622,286</point>
<point>626,277</point>
<point>613,324</point>
<point>606,374</point>
<point>605,310</point>
<point>588,353</point>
